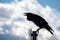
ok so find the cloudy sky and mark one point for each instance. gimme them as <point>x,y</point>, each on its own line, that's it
<point>13,23</point>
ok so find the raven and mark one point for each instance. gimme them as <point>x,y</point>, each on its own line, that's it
<point>39,21</point>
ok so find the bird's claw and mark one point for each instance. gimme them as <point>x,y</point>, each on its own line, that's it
<point>38,31</point>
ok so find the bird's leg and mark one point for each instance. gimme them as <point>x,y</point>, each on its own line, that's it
<point>38,30</point>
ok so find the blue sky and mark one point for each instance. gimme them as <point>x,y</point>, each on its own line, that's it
<point>52,3</point>
<point>5,1</point>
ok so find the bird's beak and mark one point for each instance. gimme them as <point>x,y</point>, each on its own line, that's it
<point>25,14</point>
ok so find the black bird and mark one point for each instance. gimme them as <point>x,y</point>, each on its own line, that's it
<point>39,21</point>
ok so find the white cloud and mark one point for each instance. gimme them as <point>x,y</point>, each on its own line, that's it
<point>1,31</point>
<point>11,12</point>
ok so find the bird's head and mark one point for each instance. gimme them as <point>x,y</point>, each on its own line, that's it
<point>29,16</point>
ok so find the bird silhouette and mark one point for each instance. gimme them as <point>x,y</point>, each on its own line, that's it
<point>39,21</point>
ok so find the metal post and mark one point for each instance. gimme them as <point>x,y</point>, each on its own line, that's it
<point>34,35</point>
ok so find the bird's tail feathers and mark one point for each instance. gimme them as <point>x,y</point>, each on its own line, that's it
<point>51,29</point>
<point>51,32</point>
